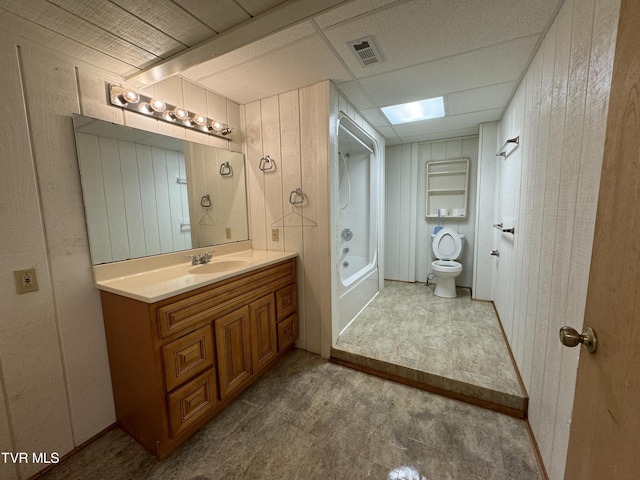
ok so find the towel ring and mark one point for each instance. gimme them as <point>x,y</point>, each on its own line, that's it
<point>205,201</point>
<point>266,163</point>
<point>225,169</point>
<point>297,193</point>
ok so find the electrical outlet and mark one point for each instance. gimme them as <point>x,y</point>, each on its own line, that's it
<point>227,233</point>
<point>26,280</point>
<point>275,234</point>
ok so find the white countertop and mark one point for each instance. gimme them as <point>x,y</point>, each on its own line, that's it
<point>159,283</point>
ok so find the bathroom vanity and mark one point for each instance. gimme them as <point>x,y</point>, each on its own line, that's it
<point>185,340</point>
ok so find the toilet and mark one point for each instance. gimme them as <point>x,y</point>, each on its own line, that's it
<point>447,247</point>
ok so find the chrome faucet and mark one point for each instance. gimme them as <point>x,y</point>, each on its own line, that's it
<point>205,258</point>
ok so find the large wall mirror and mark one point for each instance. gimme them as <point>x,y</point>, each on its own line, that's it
<point>147,194</point>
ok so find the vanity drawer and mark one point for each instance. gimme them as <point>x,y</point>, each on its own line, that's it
<point>287,332</point>
<point>224,297</point>
<point>286,301</point>
<point>192,401</point>
<point>188,356</point>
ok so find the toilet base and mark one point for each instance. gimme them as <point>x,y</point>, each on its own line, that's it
<point>445,287</point>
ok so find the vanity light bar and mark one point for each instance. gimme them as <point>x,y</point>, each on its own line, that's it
<point>152,107</point>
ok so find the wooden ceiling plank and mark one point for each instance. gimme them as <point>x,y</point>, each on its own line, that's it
<point>123,24</point>
<point>285,15</point>
<point>170,18</point>
<point>36,36</point>
<point>219,15</point>
<point>53,18</point>
<point>256,7</point>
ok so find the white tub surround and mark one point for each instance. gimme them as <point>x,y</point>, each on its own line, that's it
<point>157,278</point>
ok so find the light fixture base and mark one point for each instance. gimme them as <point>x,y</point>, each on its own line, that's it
<point>173,114</point>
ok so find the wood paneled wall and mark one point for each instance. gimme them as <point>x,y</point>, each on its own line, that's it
<point>54,374</point>
<point>408,251</point>
<point>548,189</point>
<point>292,129</point>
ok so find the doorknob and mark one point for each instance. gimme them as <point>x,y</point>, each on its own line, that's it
<point>571,338</point>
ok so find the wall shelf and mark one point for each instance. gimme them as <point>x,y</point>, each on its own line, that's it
<point>447,187</point>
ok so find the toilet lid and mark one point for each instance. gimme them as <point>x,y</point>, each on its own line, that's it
<point>446,244</point>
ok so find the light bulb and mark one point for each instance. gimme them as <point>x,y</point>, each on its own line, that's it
<point>177,113</point>
<point>199,120</point>
<point>157,105</point>
<point>180,113</point>
<point>130,96</point>
<point>123,96</point>
<point>216,126</point>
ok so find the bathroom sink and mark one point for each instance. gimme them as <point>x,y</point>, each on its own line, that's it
<point>218,266</point>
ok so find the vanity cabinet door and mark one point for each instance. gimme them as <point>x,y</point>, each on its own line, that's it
<point>233,341</point>
<point>264,343</point>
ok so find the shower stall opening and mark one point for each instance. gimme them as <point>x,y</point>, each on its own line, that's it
<point>357,208</point>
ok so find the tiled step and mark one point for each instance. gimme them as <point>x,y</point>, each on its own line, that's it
<point>507,403</point>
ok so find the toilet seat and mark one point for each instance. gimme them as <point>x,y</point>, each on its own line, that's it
<point>446,244</point>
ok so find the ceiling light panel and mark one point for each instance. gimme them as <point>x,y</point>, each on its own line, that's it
<point>415,111</point>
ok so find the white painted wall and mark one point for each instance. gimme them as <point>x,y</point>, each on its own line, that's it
<point>486,238</point>
<point>408,251</point>
<point>135,204</point>
<point>54,372</point>
<point>548,189</point>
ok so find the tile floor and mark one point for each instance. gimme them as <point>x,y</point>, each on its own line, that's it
<point>451,344</point>
<point>310,419</point>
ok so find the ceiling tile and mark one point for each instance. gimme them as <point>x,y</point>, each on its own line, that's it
<point>268,45</point>
<point>410,33</point>
<point>388,133</point>
<point>375,117</point>
<point>430,137</point>
<point>479,68</point>
<point>348,11</point>
<point>277,72</point>
<point>356,95</point>
<point>484,98</point>
<point>440,125</point>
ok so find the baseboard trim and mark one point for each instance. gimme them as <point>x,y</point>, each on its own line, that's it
<point>513,359</point>
<point>536,450</point>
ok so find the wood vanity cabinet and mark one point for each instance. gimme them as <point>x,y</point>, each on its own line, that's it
<point>178,362</point>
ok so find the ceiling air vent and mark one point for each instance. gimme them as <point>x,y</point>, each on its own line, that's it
<point>365,51</point>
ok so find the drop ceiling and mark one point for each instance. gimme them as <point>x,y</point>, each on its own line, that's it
<point>472,52</point>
